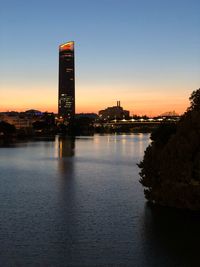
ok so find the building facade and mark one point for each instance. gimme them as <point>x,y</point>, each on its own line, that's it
<point>18,121</point>
<point>66,94</point>
<point>115,112</point>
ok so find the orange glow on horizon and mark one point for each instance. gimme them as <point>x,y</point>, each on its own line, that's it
<point>140,101</point>
<point>138,110</point>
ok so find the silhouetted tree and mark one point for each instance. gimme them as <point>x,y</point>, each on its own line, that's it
<point>6,128</point>
<point>170,170</point>
<point>46,126</point>
<point>195,100</point>
<point>62,128</point>
<point>162,134</point>
<point>83,126</point>
<point>40,125</point>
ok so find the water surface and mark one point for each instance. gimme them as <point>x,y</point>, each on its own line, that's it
<point>78,202</point>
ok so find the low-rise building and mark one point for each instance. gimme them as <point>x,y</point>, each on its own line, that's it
<point>115,112</point>
<point>17,121</point>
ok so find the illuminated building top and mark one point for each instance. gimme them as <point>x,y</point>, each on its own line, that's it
<point>69,46</point>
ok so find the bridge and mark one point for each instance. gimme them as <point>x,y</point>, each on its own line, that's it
<point>141,124</point>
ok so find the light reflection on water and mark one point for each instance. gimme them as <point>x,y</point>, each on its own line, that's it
<point>78,202</point>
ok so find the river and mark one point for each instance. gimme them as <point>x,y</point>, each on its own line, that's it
<point>78,202</point>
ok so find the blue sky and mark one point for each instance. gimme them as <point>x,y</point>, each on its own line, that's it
<point>144,53</point>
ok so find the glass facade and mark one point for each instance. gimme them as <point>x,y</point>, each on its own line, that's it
<point>66,98</point>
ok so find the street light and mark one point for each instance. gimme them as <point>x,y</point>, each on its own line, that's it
<point>123,118</point>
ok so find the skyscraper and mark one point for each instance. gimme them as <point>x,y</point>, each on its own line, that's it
<point>66,97</point>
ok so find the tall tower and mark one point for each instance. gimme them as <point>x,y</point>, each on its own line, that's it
<point>66,95</point>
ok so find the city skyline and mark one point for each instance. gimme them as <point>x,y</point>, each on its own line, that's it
<point>144,53</point>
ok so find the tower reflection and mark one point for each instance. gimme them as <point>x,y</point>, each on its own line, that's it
<point>66,151</point>
<point>66,147</point>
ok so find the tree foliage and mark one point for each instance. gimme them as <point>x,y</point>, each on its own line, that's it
<point>170,169</point>
<point>7,128</point>
<point>195,100</point>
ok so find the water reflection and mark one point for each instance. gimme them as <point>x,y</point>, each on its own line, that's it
<point>66,148</point>
<point>173,235</point>
<point>67,204</point>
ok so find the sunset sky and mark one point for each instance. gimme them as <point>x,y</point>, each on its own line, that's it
<point>145,53</point>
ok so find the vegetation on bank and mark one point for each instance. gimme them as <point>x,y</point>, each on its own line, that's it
<point>170,169</point>
<point>6,129</point>
<point>81,126</point>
